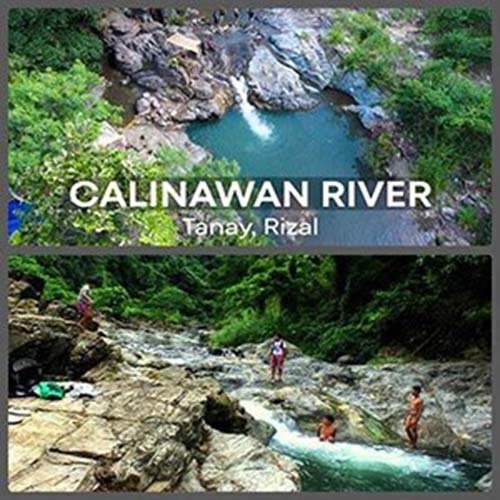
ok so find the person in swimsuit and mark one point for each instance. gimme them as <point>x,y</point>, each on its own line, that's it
<point>327,430</point>
<point>278,354</point>
<point>413,416</point>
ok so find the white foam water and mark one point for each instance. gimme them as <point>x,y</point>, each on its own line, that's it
<point>289,440</point>
<point>250,113</point>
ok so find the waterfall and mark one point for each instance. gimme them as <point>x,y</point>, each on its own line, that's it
<point>258,126</point>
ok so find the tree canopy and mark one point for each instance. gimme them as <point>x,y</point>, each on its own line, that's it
<point>367,307</point>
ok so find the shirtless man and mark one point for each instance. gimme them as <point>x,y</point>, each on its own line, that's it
<point>413,416</point>
<point>327,429</point>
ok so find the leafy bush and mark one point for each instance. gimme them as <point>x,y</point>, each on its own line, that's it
<point>54,288</point>
<point>25,265</point>
<point>348,340</point>
<point>468,218</point>
<point>380,152</point>
<point>450,119</point>
<point>461,34</point>
<point>372,50</point>
<point>42,106</point>
<point>248,326</point>
<point>170,304</point>
<point>57,289</point>
<point>55,220</point>
<point>111,300</point>
<point>55,38</point>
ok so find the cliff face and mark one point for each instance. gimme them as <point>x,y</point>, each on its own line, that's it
<point>147,427</point>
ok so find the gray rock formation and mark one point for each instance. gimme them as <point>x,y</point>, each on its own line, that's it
<point>148,427</point>
<point>369,401</point>
<point>147,139</point>
<point>303,52</point>
<point>59,345</point>
<point>368,98</point>
<point>275,86</point>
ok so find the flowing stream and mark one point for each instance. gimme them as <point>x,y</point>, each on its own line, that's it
<point>358,467</point>
<point>323,466</point>
<point>324,142</point>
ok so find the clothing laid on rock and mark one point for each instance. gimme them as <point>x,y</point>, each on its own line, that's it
<point>49,390</point>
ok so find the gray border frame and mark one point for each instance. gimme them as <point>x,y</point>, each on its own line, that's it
<point>492,250</point>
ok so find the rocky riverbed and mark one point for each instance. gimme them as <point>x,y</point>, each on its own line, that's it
<point>170,413</point>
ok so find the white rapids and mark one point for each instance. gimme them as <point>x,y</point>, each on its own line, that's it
<point>355,457</point>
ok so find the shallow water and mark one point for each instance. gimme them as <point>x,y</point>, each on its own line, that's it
<point>324,142</point>
<point>322,466</point>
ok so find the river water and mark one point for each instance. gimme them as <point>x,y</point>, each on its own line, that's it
<point>323,466</point>
<point>358,467</point>
<point>324,142</point>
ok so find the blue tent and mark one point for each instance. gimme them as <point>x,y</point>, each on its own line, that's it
<point>17,208</point>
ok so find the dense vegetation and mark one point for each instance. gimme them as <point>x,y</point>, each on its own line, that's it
<point>367,307</point>
<point>445,104</point>
<point>55,38</point>
<point>461,34</point>
<point>56,113</point>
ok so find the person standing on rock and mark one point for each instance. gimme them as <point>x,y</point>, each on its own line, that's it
<point>413,416</point>
<point>84,304</point>
<point>278,355</point>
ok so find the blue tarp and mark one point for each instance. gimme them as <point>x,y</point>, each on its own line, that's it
<point>17,208</point>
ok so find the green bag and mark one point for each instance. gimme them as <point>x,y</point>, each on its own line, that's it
<point>49,390</point>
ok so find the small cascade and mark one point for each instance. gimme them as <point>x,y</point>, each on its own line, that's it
<point>334,466</point>
<point>250,113</point>
<point>341,466</point>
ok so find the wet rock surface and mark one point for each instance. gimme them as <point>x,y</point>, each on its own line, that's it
<point>369,401</point>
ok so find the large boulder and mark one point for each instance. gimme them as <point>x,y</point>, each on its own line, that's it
<point>148,139</point>
<point>274,85</point>
<point>367,98</point>
<point>355,84</point>
<point>303,52</point>
<point>60,346</point>
<point>371,117</point>
<point>457,402</point>
<point>240,463</point>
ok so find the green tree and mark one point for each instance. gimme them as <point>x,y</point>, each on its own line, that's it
<point>42,107</point>
<point>461,34</point>
<point>55,38</point>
